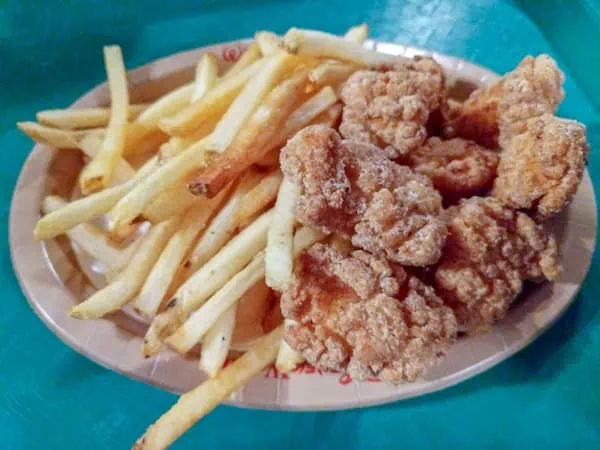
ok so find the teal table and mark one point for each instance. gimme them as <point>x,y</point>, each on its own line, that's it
<point>546,397</point>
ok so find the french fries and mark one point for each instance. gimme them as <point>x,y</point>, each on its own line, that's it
<point>320,44</point>
<point>162,274</point>
<point>358,33</point>
<point>118,264</point>
<point>200,321</point>
<point>331,72</point>
<point>97,174</point>
<point>261,196</point>
<point>254,140</point>
<point>212,105</point>
<point>194,405</point>
<point>248,100</point>
<point>251,55</point>
<point>330,117</point>
<point>54,137</point>
<point>216,343</point>
<point>207,72</point>
<point>87,208</point>
<point>287,357</point>
<point>125,287</point>
<point>172,202</point>
<point>268,42</point>
<point>88,237</point>
<point>82,118</point>
<point>280,240</point>
<point>91,145</point>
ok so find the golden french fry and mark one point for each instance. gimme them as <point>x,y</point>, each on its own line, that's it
<point>358,33</point>
<point>318,43</point>
<point>287,357</point>
<point>279,255</point>
<point>54,137</point>
<point>91,240</point>
<point>216,343</point>
<point>91,145</point>
<point>268,42</point>
<point>198,323</point>
<point>212,105</point>
<point>87,208</point>
<point>162,274</point>
<point>194,405</point>
<point>259,198</point>
<point>248,100</point>
<point>251,55</point>
<point>174,201</point>
<point>82,118</point>
<point>331,72</point>
<point>207,72</point>
<point>97,174</point>
<point>254,139</point>
<point>125,287</point>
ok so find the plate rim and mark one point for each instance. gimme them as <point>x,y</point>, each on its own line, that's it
<point>67,338</point>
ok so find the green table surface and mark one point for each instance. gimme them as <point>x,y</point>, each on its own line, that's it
<point>546,397</point>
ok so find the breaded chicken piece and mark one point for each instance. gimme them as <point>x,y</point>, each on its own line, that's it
<point>354,312</point>
<point>491,250</point>
<point>541,169</point>
<point>458,168</point>
<point>352,189</point>
<point>494,114</point>
<point>390,107</point>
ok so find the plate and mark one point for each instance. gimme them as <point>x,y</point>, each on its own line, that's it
<point>53,280</point>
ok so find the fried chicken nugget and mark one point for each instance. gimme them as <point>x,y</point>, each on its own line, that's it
<point>494,114</point>
<point>353,189</point>
<point>491,250</point>
<point>390,108</point>
<point>548,160</point>
<point>458,168</point>
<point>354,312</point>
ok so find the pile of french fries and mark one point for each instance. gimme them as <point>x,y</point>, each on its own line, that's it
<point>223,234</point>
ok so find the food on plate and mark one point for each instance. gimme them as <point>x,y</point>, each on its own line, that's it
<point>491,250</point>
<point>318,201</point>
<point>458,168</point>
<point>495,113</point>
<point>541,168</point>
<point>358,313</point>
<point>353,189</point>
<point>390,107</point>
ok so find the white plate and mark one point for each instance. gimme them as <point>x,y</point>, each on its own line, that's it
<point>53,280</point>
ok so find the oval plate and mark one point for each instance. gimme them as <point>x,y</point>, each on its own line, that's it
<point>53,280</point>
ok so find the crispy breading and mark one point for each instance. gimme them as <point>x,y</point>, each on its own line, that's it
<point>458,168</point>
<point>494,114</point>
<point>541,169</point>
<point>390,107</point>
<point>353,189</point>
<point>491,250</point>
<point>355,312</point>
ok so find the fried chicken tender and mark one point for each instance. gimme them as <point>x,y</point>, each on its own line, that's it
<point>491,250</point>
<point>353,189</point>
<point>548,160</point>
<point>492,115</point>
<point>354,312</point>
<point>390,107</point>
<point>458,168</point>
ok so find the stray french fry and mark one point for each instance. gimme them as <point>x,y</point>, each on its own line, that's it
<point>121,291</point>
<point>259,198</point>
<point>358,33</point>
<point>82,118</point>
<point>97,174</point>
<point>254,140</point>
<point>86,208</point>
<point>212,105</point>
<point>251,55</point>
<point>206,281</point>
<point>287,357</point>
<point>279,259</point>
<point>162,274</point>
<point>216,343</point>
<point>88,237</point>
<point>194,405</point>
<point>268,42</point>
<point>248,100</point>
<point>318,43</point>
<point>207,72</point>
<point>54,137</point>
<point>200,321</point>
